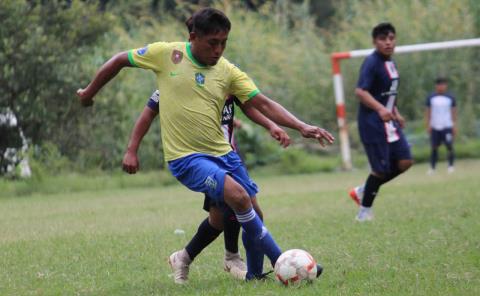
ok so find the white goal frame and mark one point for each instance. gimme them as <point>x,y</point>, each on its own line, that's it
<point>337,57</point>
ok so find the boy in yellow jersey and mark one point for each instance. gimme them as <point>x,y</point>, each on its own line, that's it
<point>220,217</point>
<point>195,79</point>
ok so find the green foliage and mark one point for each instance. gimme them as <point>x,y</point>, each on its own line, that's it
<point>297,161</point>
<point>49,50</point>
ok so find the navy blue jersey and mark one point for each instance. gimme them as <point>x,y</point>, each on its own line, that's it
<point>378,76</point>
<point>441,110</point>
<point>228,113</point>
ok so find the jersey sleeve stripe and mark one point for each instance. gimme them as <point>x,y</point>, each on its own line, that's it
<point>253,93</point>
<point>130,58</point>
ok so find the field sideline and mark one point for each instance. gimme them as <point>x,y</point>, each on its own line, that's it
<point>425,239</point>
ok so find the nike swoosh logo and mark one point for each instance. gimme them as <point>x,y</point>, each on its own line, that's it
<point>173,74</point>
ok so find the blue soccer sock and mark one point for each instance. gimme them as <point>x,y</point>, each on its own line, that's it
<point>254,256</point>
<point>255,231</point>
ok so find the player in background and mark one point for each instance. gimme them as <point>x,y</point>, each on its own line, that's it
<point>379,121</point>
<point>194,79</point>
<point>221,217</point>
<point>441,117</point>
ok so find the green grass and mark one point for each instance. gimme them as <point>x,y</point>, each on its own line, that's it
<point>425,239</point>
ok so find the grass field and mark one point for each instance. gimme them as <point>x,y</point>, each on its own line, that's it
<point>425,239</point>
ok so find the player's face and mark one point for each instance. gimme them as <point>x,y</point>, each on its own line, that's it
<point>385,44</point>
<point>208,49</point>
<point>441,87</point>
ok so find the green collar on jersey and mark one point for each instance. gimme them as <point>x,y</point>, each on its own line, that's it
<point>190,55</point>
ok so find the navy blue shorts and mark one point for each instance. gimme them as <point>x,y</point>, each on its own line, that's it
<point>437,137</point>
<point>206,173</point>
<point>383,157</point>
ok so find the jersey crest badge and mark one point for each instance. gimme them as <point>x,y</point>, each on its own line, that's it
<point>200,79</point>
<point>142,50</point>
<point>177,56</point>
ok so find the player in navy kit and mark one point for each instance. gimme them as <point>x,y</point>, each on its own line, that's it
<point>379,121</point>
<point>441,115</point>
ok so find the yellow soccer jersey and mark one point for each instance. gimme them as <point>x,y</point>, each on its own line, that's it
<point>193,96</point>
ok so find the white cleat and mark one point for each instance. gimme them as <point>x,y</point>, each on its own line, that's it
<point>364,214</point>
<point>180,263</point>
<point>234,264</point>
<point>356,194</point>
<point>430,171</point>
<point>450,170</point>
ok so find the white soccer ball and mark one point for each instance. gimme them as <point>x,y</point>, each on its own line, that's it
<point>294,266</point>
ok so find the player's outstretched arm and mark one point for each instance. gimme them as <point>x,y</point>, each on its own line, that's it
<point>275,131</point>
<point>106,72</point>
<point>278,114</point>
<point>368,100</point>
<point>130,161</point>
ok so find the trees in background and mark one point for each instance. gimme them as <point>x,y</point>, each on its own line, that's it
<point>48,49</point>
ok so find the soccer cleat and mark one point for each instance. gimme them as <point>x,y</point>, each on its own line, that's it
<point>234,264</point>
<point>179,262</point>
<point>260,277</point>
<point>450,170</point>
<point>319,270</point>
<point>364,214</point>
<point>430,171</point>
<point>356,194</point>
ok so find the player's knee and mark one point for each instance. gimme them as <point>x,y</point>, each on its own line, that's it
<point>379,175</point>
<point>215,218</point>
<point>235,195</point>
<point>405,165</point>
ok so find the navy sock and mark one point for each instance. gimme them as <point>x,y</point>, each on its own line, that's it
<point>451,155</point>
<point>231,230</point>
<point>433,158</point>
<point>206,234</point>
<point>372,185</point>
<point>256,232</point>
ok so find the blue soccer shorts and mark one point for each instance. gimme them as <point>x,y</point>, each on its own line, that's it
<point>206,173</point>
<point>383,157</point>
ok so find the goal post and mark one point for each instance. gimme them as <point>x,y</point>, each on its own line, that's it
<point>337,57</point>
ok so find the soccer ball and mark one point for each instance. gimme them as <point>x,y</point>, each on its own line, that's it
<point>295,265</point>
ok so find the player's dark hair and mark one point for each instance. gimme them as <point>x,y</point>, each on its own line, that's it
<point>189,24</point>
<point>382,29</point>
<point>441,80</point>
<point>209,21</point>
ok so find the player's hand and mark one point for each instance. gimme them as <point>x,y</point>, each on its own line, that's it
<point>85,99</point>
<point>454,131</point>
<point>386,115</point>
<point>280,135</point>
<point>401,120</point>
<point>130,162</point>
<point>323,136</point>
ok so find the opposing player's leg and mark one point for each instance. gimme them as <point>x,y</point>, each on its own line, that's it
<point>207,232</point>
<point>435,141</point>
<point>387,162</point>
<point>450,150</point>
<point>379,158</point>
<point>232,263</point>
